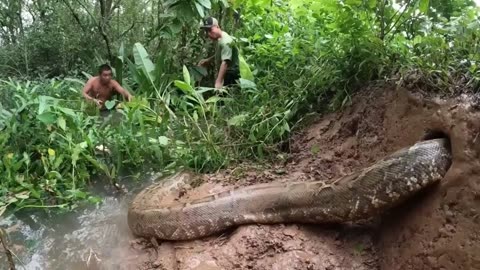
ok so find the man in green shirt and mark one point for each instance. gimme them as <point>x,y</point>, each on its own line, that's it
<point>226,56</point>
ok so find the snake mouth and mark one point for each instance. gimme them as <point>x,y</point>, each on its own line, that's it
<point>432,134</point>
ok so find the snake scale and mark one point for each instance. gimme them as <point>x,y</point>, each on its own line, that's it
<point>357,196</point>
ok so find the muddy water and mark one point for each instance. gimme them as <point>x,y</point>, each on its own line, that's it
<point>75,240</point>
<point>438,232</point>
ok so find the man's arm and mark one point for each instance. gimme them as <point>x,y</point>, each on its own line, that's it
<point>221,74</point>
<point>226,55</point>
<point>121,90</point>
<point>203,62</point>
<point>87,88</point>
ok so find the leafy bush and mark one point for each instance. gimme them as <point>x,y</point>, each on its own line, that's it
<point>298,56</point>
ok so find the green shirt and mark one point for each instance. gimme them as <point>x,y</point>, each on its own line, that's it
<point>226,50</point>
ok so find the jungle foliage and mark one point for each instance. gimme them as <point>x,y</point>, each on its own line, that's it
<point>298,57</point>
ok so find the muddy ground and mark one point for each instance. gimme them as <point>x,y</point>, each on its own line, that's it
<point>434,230</point>
<point>437,229</point>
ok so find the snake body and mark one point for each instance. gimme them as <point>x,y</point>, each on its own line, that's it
<point>360,195</point>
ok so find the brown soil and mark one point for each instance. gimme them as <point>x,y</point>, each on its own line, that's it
<point>434,230</point>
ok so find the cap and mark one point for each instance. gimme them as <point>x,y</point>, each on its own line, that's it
<point>209,22</point>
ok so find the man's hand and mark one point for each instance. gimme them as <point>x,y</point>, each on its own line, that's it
<point>121,90</point>
<point>218,84</point>
<point>203,62</point>
<point>98,102</point>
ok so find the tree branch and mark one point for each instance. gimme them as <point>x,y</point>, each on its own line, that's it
<point>88,12</point>
<point>128,30</point>
<point>107,43</point>
<point>403,22</point>
<point>100,27</point>
<point>382,14</point>
<point>399,17</point>
<point>102,8</point>
<point>110,14</point>
<point>75,16</point>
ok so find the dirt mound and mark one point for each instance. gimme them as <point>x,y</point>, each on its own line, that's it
<point>435,230</point>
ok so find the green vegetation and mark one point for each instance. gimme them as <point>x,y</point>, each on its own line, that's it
<point>299,56</point>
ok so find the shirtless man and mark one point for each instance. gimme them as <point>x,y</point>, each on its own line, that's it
<point>101,88</point>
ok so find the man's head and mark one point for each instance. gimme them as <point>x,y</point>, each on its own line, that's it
<point>105,73</point>
<point>211,27</point>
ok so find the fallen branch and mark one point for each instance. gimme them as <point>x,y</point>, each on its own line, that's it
<point>7,250</point>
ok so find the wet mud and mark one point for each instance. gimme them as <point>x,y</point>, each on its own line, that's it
<point>434,230</point>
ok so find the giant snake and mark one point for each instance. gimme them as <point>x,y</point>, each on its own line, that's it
<point>354,197</point>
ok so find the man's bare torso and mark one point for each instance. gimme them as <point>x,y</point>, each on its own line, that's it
<point>101,88</point>
<point>100,91</point>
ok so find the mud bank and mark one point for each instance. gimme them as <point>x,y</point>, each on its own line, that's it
<point>434,230</point>
<point>437,229</point>
<point>440,229</point>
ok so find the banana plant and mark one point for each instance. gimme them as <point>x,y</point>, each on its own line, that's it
<point>149,77</point>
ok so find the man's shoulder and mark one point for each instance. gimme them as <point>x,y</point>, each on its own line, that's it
<point>226,38</point>
<point>114,83</point>
<point>94,79</point>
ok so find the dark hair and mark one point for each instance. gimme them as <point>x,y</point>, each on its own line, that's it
<point>103,68</point>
